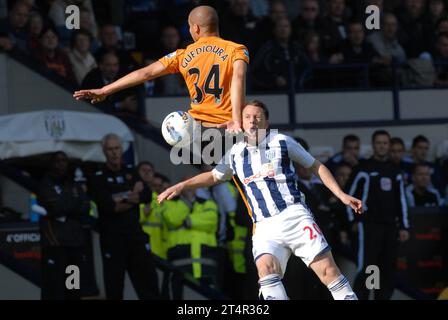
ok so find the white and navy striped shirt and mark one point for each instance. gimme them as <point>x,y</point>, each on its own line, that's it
<point>266,172</point>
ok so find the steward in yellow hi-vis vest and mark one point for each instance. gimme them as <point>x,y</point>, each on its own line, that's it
<point>151,221</point>
<point>191,223</point>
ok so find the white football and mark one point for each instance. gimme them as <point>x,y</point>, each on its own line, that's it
<point>177,129</point>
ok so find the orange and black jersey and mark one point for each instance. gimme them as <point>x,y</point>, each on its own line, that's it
<point>207,67</point>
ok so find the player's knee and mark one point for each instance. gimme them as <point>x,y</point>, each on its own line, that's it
<point>267,265</point>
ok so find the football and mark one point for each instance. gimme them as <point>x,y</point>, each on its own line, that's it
<point>177,129</point>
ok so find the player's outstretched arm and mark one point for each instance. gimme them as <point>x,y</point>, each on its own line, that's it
<point>205,179</point>
<point>237,96</point>
<point>329,181</point>
<point>134,78</point>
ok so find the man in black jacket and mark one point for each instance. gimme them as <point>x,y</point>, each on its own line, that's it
<point>379,184</point>
<point>118,191</point>
<point>62,236</point>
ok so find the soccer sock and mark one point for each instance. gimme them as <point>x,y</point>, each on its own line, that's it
<point>272,288</point>
<point>341,290</point>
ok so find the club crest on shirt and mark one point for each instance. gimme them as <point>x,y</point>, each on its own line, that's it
<point>386,184</point>
<point>270,154</point>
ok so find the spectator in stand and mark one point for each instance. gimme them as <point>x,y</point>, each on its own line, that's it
<point>356,50</point>
<point>58,16</point>
<point>16,25</point>
<point>6,44</point>
<point>293,8</point>
<point>238,24</point>
<point>82,60</point>
<point>36,26</point>
<point>109,40</point>
<point>441,60</point>
<point>87,21</point>
<point>351,145</point>
<point>386,45</point>
<point>279,60</point>
<point>171,84</point>
<point>126,102</point>
<point>313,48</point>
<point>420,193</point>
<point>442,25</point>
<point>419,155</point>
<point>260,8</point>
<point>51,56</point>
<point>411,21</point>
<point>277,11</point>
<point>436,11</point>
<point>307,21</point>
<point>397,151</point>
<point>31,5</point>
<point>333,29</point>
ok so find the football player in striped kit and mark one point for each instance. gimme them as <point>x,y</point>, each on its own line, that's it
<point>283,222</point>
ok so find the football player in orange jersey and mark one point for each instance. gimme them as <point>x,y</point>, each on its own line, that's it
<point>214,70</point>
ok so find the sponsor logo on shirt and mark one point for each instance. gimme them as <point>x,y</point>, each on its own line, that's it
<point>386,184</point>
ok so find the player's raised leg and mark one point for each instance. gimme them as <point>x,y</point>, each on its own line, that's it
<point>270,280</point>
<point>328,272</point>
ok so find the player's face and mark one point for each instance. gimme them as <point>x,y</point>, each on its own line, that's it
<point>113,152</point>
<point>396,152</point>
<point>253,119</point>
<point>381,146</point>
<point>422,177</point>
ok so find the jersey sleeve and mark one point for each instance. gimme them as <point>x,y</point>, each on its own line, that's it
<point>224,170</point>
<point>241,53</point>
<point>298,154</point>
<point>171,61</point>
